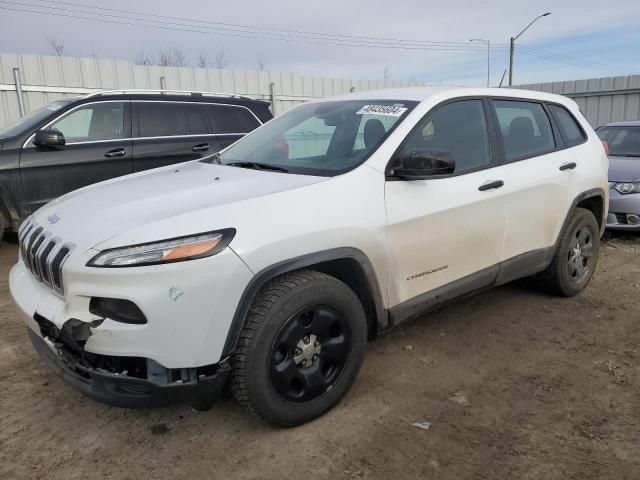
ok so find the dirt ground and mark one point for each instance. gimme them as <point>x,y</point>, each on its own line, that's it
<point>516,385</point>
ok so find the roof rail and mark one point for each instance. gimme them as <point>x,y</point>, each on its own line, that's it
<point>170,92</point>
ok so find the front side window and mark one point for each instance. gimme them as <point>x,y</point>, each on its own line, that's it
<point>96,121</point>
<point>525,127</point>
<point>456,131</point>
<point>623,141</point>
<point>325,139</point>
<point>569,125</point>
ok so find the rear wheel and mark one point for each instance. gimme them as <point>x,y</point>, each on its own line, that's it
<point>575,260</point>
<point>301,348</point>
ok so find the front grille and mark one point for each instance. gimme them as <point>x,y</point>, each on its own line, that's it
<point>43,254</point>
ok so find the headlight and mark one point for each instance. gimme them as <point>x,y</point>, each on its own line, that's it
<point>166,251</point>
<point>625,188</point>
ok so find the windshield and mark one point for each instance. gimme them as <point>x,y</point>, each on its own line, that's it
<point>323,139</point>
<point>30,120</point>
<point>623,141</point>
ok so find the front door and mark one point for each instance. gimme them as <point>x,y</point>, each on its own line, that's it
<point>98,147</point>
<point>448,231</point>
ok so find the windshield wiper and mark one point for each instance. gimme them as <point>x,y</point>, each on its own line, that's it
<point>258,166</point>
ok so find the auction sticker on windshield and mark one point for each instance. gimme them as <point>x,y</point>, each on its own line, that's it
<point>389,110</point>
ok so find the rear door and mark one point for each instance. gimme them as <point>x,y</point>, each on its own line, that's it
<point>230,122</point>
<point>98,147</point>
<point>540,172</point>
<point>169,132</point>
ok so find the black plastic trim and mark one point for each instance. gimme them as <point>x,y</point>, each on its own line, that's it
<point>295,264</point>
<point>594,192</point>
<point>440,296</point>
<point>130,392</point>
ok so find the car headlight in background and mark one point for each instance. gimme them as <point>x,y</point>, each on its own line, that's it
<point>166,251</point>
<point>627,187</point>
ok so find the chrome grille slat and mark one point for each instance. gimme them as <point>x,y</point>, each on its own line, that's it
<point>43,254</point>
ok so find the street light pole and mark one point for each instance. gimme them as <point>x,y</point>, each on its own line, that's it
<point>488,44</point>
<point>512,45</point>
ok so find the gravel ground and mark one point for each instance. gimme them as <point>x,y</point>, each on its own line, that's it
<point>515,384</point>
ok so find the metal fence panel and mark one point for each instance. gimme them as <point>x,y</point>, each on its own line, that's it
<point>602,100</point>
<point>48,78</point>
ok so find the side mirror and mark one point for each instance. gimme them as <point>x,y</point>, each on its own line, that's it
<point>53,139</point>
<point>421,164</point>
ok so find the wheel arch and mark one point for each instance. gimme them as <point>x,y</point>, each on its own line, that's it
<point>8,210</point>
<point>592,200</point>
<point>348,265</point>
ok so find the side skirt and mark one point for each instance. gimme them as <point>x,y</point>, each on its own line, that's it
<point>521,266</point>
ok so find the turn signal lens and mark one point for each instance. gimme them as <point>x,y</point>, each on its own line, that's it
<point>193,250</point>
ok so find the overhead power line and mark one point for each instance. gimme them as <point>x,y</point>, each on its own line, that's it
<point>550,55</point>
<point>265,30</point>
<point>162,22</point>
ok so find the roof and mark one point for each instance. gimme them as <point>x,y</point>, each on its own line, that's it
<point>629,123</point>
<point>422,94</point>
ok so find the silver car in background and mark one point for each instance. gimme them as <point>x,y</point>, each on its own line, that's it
<point>623,142</point>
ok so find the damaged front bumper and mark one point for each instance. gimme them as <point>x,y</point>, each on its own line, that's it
<point>126,382</point>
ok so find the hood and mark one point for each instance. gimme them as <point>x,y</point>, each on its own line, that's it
<point>624,169</point>
<point>94,214</point>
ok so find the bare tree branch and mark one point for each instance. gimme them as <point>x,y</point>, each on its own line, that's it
<point>203,61</point>
<point>56,45</point>
<point>144,58</point>
<point>172,57</point>
<point>221,60</point>
<point>387,74</point>
<point>261,64</point>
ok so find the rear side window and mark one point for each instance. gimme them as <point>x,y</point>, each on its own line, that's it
<point>569,125</point>
<point>196,124</point>
<point>525,127</point>
<point>231,119</point>
<point>456,130</point>
<point>158,119</point>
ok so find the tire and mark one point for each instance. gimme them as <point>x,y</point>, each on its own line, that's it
<point>300,350</point>
<point>576,257</point>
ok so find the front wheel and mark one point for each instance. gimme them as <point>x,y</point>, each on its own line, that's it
<point>300,349</point>
<point>575,260</point>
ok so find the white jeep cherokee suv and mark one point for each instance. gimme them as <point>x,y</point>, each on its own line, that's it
<point>268,266</point>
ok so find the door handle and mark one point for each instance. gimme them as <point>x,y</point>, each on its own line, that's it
<point>201,147</point>
<point>568,166</point>
<point>490,185</point>
<point>118,152</point>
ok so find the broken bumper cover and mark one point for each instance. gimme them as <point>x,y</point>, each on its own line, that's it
<point>131,392</point>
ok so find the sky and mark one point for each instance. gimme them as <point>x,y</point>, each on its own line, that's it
<point>580,39</point>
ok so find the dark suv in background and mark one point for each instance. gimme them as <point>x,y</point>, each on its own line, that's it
<point>75,142</point>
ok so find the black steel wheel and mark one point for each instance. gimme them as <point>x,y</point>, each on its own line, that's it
<point>576,256</point>
<point>580,255</point>
<point>309,353</point>
<point>301,348</point>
